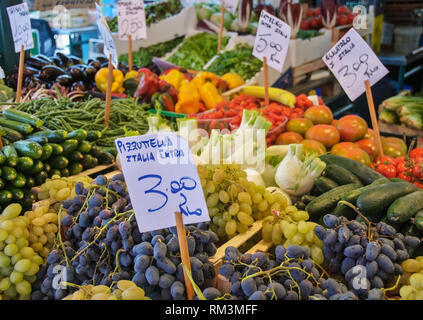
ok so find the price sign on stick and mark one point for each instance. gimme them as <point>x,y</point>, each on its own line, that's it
<point>353,62</point>
<point>109,43</point>
<point>162,179</point>
<point>231,5</point>
<point>131,20</point>
<point>20,25</point>
<point>272,40</point>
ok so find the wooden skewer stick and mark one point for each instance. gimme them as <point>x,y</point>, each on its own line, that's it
<point>20,75</point>
<point>373,117</point>
<point>130,52</point>
<point>266,82</point>
<point>222,21</point>
<point>108,92</point>
<point>183,245</point>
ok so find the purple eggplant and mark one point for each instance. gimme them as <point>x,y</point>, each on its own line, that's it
<point>64,80</point>
<point>51,72</point>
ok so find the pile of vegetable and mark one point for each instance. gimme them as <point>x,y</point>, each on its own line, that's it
<point>314,21</point>
<point>240,61</point>
<point>144,56</point>
<point>63,114</point>
<point>153,13</point>
<point>196,51</point>
<point>403,109</point>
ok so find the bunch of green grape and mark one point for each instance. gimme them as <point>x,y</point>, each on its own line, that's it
<point>19,263</point>
<point>124,290</point>
<point>233,202</point>
<point>61,188</point>
<point>290,226</point>
<point>413,270</point>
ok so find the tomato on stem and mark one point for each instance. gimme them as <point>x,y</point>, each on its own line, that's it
<point>387,170</point>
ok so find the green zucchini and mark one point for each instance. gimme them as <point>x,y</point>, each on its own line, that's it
<point>59,162</point>
<point>5,142</point>
<point>106,158</point>
<point>340,175</point>
<point>5,196</point>
<point>325,184</point>
<point>12,135</point>
<point>54,172</point>
<point>84,146</point>
<point>40,178</point>
<point>17,194</point>
<point>16,125</point>
<point>2,158</point>
<point>87,161</point>
<point>69,146</point>
<point>8,173</point>
<point>64,172</point>
<point>396,180</point>
<point>40,140</point>
<point>363,172</point>
<point>30,182</point>
<point>327,202</point>
<point>13,114</point>
<point>29,149</point>
<point>2,183</point>
<point>37,167</point>
<point>47,151</point>
<point>306,199</point>
<point>54,136</point>
<point>373,203</point>
<point>93,135</point>
<point>57,149</point>
<point>75,156</point>
<point>418,219</point>
<point>79,134</point>
<point>47,167</point>
<point>19,181</point>
<point>75,168</point>
<point>404,208</point>
<point>25,163</point>
<point>96,151</point>
<point>11,155</point>
<point>352,196</point>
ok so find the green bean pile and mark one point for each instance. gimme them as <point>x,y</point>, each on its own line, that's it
<point>62,113</point>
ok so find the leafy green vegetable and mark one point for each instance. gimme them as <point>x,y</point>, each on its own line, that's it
<point>196,51</point>
<point>240,61</point>
<point>308,34</point>
<point>144,56</point>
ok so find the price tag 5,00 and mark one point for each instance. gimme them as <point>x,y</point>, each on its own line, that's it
<point>272,40</point>
<point>162,179</point>
<point>109,43</point>
<point>352,62</point>
<point>20,24</point>
<point>131,20</point>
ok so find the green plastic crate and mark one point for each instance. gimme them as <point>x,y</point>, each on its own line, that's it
<point>171,115</point>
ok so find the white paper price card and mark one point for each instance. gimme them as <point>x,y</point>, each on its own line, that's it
<point>131,20</point>
<point>109,43</point>
<point>231,5</point>
<point>272,40</point>
<point>162,179</point>
<point>352,62</point>
<point>20,24</point>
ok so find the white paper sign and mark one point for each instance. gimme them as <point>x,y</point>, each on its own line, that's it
<point>106,34</point>
<point>2,75</point>
<point>231,5</point>
<point>162,179</point>
<point>352,62</point>
<point>131,20</point>
<point>272,40</point>
<point>20,24</point>
<point>315,99</point>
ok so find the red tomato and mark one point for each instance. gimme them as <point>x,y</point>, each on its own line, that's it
<point>342,20</point>
<point>398,160</point>
<point>418,184</point>
<point>417,152</point>
<point>350,17</point>
<point>387,170</point>
<point>304,25</point>
<point>404,176</point>
<point>343,10</point>
<point>402,167</point>
<point>310,13</point>
<point>314,24</point>
<point>418,171</point>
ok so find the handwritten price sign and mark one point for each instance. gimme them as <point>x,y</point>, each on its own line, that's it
<point>131,20</point>
<point>162,179</point>
<point>109,43</point>
<point>272,40</point>
<point>352,62</point>
<point>20,23</point>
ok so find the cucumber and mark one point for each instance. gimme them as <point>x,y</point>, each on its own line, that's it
<point>29,149</point>
<point>112,150</point>
<point>300,205</point>
<point>5,196</point>
<point>16,125</point>
<point>96,151</point>
<point>37,167</point>
<point>325,184</point>
<point>57,149</point>
<point>17,194</point>
<point>84,146</point>
<point>11,155</point>
<point>69,146</point>
<point>64,172</point>
<point>403,208</point>
<point>75,156</point>
<point>340,175</point>
<point>327,202</point>
<point>54,172</point>
<point>2,158</point>
<point>75,168</point>
<point>373,203</point>
<point>59,162</point>
<point>79,134</point>
<point>40,140</point>
<point>55,136</point>
<point>397,226</point>
<point>12,135</point>
<point>40,178</point>
<point>87,160</point>
<point>418,220</point>
<point>352,196</point>
<point>410,229</point>
<point>30,182</point>
<point>47,151</point>
<point>8,173</point>
<point>19,181</point>
<point>93,135</point>
<point>13,114</point>
<point>106,158</point>
<point>363,172</point>
<point>306,199</point>
<point>25,163</point>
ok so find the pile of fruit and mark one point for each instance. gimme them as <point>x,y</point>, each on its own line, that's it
<point>412,288</point>
<point>313,20</point>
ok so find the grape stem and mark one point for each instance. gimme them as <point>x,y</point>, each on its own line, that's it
<point>59,234</point>
<point>369,229</point>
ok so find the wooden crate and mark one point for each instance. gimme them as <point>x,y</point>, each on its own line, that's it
<point>299,72</point>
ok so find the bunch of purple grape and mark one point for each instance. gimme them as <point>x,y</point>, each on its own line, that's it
<point>367,258</point>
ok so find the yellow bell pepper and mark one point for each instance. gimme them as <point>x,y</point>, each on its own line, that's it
<point>202,77</point>
<point>131,74</point>
<point>117,80</point>
<point>209,95</point>
<point>233,80</point>
<point>174,77</point>
<point>188,98</point>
